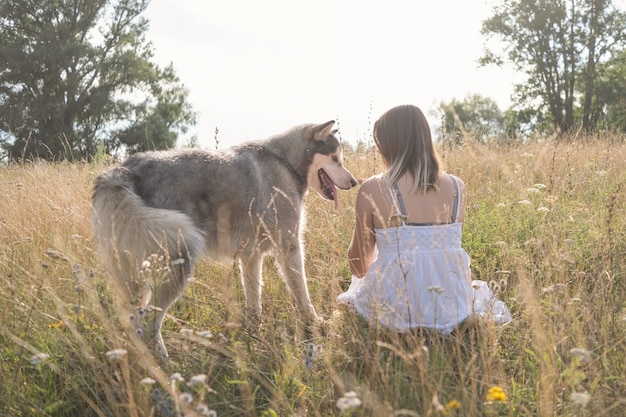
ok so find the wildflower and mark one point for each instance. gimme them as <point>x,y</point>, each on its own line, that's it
<point>186,332</point>
<point>532,190</point>
<point>185,398</point>
<point>500,205</point>
<point>436,404</point>
<point>583,355</point>
<point>494,286</point>
<point>116,355</point>
<point>178,261</point>
<point>203,410</point>
<point>544,209</point>
<point>348,401</point>
<point>205,333</point>
<point>452,405</point>
<point>524,202</point>
<point>540,186</point>
<point>39,358</point>
<point>495,394</point>
<point>147,381</point>
<point>56,325</point>
<point>176,376</point>
<point>581,398</point>
<point>197,380</point>
<point>145,264</point>
<point>435,288</point>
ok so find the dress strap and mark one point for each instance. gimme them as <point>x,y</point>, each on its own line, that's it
<point>396,191</point>
<point>398,203</point>
<point>457,198</point>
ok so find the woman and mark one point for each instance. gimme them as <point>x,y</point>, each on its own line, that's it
<point>409,268</point>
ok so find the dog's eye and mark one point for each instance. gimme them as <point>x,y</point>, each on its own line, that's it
<point>334,158</point>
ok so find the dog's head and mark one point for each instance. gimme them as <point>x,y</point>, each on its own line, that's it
<point>326,172</point>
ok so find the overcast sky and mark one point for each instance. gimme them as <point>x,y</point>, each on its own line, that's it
<point>256,68</point>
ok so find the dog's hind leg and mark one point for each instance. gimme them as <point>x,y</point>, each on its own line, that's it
<point>163,296</point>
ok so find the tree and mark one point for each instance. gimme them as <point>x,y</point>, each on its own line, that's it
<point>77,74</point>
<point>559,44</point>
<point>476,116</point>
<point>609,108</point>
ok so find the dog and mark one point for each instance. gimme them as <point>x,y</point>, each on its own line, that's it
<point>240,204</point>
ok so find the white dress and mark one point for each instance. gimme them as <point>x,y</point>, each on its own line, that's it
<point>421,278</point>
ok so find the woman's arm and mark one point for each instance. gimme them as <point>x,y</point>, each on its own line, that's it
<point>362,248</point>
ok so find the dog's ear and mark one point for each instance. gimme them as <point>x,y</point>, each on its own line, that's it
<point>323,131</point>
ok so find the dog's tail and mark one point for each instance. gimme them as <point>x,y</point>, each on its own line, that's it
<point>128,232</point>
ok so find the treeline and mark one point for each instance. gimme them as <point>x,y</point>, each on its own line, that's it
<point>77,77</point>
<point>573,58</point>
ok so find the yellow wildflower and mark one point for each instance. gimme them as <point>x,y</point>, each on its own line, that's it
<point>452,405</point>
<point>55,325</point>
<point>496,394</point>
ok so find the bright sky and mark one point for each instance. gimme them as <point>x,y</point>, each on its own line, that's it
<point>256,68</point>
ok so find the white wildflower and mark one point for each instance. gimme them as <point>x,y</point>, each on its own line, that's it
<point>348,401</point>
<point>176,376</point>
<point>524,202</point>
<point>205,333</point>
<point>147,381</point>
<point>583,355</point>
<point>545,209</point>
<point>435,288</point>
<point>581,398</point>
<point>186,332</point>
<point>436,404</point>
<point>540,186</point>
<point>532,190</point>
<point>203,410</point>
<point>185,398</point>
<point>197,380</point>
<point>39,358</point>
<point>116,355</point>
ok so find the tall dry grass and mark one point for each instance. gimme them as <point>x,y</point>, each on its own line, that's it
<point>545,226</point>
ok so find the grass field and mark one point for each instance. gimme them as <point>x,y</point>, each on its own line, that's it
<point>545,226</point>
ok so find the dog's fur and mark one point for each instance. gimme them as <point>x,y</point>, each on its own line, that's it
<point>239,204</point>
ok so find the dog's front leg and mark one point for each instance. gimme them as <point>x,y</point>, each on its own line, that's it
<point>251,278</point>
<point>290,260</point>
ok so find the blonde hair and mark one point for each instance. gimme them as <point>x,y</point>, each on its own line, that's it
<point>403,137</point>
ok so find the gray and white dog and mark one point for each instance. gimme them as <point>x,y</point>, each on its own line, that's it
<point>242,204</point>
